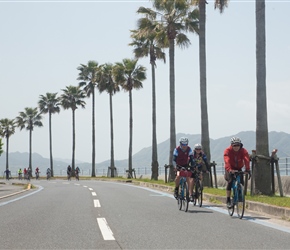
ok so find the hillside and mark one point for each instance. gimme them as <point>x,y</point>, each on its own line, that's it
<point>279,140</point>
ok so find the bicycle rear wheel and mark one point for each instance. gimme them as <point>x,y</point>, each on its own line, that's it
<point>241,201</point>
<point>198,193</point>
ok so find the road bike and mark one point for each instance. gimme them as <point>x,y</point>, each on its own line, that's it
<point>48,175</point>
<point>183,193</point>
<point>69,176</point>
<point>37,175</point>
<point>238,198</point>
<point>198,187</point>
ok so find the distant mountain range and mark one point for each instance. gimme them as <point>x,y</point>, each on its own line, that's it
<point>279,140</point>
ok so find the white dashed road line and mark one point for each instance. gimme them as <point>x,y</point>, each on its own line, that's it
<point>97,203</point>
<point>105,229</point>
<point>94,194</point>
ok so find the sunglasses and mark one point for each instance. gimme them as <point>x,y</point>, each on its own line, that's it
<point>236,145</point>
<point>183,144</point>
<point>197,148</point>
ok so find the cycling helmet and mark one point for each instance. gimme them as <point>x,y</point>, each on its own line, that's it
<point>183,141</point>
<point>235,140</point>
<point>197,146</point>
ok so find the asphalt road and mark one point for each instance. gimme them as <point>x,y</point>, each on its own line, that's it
<point>110,215</point>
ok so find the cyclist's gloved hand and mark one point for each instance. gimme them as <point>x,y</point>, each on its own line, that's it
<point>249,174</point>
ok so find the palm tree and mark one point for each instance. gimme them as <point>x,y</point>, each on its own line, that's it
<point>176,17</point>
<point>130,76</point>
<point>108,84</point>
<point>7,128</point>
<point>145,45</point>
<point>88,76</point>
<point>29,119</point>
<point>49,103</point>
<point>262,171</point>
<point>71,98</point>
<point>205,140</point>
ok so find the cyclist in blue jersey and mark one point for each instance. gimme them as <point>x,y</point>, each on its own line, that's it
<point>182,155</point>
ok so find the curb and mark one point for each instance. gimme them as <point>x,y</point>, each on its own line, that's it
<point>253,206</point>
<point>18,192</point>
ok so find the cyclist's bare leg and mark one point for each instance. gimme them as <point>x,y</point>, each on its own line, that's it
<point>190,185</point>
<point>177,180</point>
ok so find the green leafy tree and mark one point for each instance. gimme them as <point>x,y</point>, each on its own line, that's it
<point>108,84</point>
<point>72,98</point>
<point>130,76</point>
<point>29,118</point>
<point>88,76</point>
<point>7,128</point>
<point>145,45</point>
<point>262,171</point>
<point>174,19</point>
<point>49,103</point>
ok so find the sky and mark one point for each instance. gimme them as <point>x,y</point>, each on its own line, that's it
<point>43,42</point>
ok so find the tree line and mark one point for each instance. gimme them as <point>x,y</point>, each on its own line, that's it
<point>164,26</point>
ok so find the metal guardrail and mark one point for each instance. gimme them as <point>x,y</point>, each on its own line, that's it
<point>284,164</point>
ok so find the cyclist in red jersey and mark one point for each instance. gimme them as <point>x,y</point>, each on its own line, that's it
<point>235,158</point>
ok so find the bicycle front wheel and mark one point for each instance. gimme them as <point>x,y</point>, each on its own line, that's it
<point>186,197</point>
<point>241,201</point>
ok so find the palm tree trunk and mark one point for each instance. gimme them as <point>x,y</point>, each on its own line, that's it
<point>73,143</point>
<point>7,154</point>
<point>262,171</point>
<point>172,106</point>
<point>112,165</point>
<point>93,136</point>
<point>30,150</point>
<point>203,94</point>
<point>154,164</point>
<point>50,145</point>
<point>130,133</point>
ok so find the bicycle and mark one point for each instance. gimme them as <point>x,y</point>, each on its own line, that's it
<point>198,187</point>
<point>238,198</point>
<point>183,193</point>
<point>77,176</point>
<point>37,175</point>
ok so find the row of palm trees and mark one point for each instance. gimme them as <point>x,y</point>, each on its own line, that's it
<point>161,27</point>
<point>110,78</point>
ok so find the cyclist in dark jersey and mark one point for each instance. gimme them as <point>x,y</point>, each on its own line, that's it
<point>182,154</point>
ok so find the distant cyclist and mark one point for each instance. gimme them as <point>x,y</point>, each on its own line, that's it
<point>200,158</point>
<point>68,171</point>
<point>37,173</point>
<point>20,174</point>
<point>235,157</point>
<point>77,172</point>
<point>48,173</point>
<point>182,155</point>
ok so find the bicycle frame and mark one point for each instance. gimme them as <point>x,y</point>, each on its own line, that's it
<point>238,199</point>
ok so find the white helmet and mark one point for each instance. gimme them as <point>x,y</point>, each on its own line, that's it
<point>235,140</point>
<point>183,140</point>
<point>197,146</point>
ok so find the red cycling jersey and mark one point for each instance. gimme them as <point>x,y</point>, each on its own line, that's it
<point>236,160</point>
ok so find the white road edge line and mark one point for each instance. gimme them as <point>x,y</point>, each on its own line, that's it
<point>97,203</point>
<point>105,229</point>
